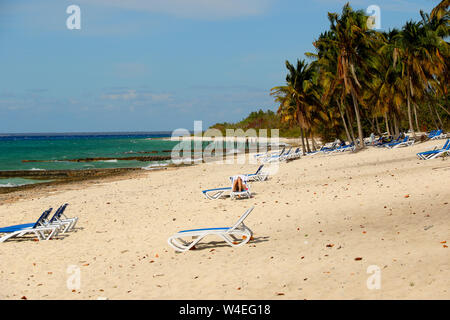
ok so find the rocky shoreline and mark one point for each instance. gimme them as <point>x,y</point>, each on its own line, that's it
<point>59,177</point>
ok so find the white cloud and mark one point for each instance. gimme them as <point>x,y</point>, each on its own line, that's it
<point>128,95</point>
<point>198,9</point>
<point>136,96</point>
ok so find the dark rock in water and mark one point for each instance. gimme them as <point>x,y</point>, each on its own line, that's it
<point>59,176</point>
<point>144,159</point>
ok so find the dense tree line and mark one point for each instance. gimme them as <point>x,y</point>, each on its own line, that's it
<point>360,80</point>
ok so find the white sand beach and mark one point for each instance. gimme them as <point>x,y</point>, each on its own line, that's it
<point>318,224</point>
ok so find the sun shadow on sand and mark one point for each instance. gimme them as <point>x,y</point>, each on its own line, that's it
<point>375,163</point>
<point>219,244</point>
<point>33,239</point>
<point>30,237</point>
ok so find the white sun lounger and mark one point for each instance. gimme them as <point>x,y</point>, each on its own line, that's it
<point>60,219</point>
<point>438,135</point>
<point>295,155</point>
<point>428,155</point>
<point>259,175</point>
<point>268,154</point>
<point>405,143</point>
<point>214,194</point>
<point>42,232</point>
<point>278,158</point>
<point>235,236</point>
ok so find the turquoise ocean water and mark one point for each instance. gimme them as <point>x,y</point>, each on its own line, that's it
<point>57,148</point>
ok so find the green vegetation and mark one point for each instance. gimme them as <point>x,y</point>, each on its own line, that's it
<point>360,80</point>
<point>261,120</point>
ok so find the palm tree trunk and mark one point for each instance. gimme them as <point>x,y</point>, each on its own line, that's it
<point>307,142</point>
<point>372,124</point>
<point>415,116</point>
<point>396,130</point>
<point>343,120</point>
<point>387,124</point>
<point>444,109</point>
<point>358,119</point>
<point>411,128</point>
<point>303,140</point>
<point>350,125</point>
<point>439,118</point>
<point>378,126</point>
<point>314,144</point>
<point>432,116</point>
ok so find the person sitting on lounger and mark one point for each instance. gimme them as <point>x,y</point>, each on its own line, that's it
<point>238,183</point>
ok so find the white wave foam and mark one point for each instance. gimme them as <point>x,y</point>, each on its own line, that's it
<point>155,166</point>
<point>10,185</point>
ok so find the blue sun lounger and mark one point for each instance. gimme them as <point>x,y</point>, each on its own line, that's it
<point>237,235</point>
<point>431,154</point>
<point>259,175</point>
<point>326,148</point>
<point>60,219</point>
<point>214,194</point>
<point>39,228</point>
<point>280,157</point>
<point>295,155</point>
<point>344,148</point>
<point>269,154</point>
<point>439,134</point>
<point>431,134</point>
<point>406,142</point>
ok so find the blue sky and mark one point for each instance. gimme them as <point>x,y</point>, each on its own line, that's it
<point>149,65</point>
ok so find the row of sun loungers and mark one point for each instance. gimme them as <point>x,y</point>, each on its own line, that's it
<point>431,154</point>
<point>333,147</point>
<point>44,228</point>
<point>239,234</point>
<point>217,193</point>
<point>406,142</point>
<point>437,134</point>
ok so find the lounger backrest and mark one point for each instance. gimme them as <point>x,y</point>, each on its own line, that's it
<point>43,216</point>
<point>242,218</point>
<point>259,169</point>
<point>282,150</point>
<point>59,213</point>
<point>56,214</point>
<point>447,145</point>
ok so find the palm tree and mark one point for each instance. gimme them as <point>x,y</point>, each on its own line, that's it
<point>297,98</point>
<point>386,91</point>
<point>350,39</point>
<point>417,48</point>
<point>359,76</point>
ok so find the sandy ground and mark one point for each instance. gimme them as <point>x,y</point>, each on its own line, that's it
<point>319,223</point>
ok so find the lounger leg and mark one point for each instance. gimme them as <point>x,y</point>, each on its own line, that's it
<point>8,236</point>
<point>231,242</point>
<point>174,242</point>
